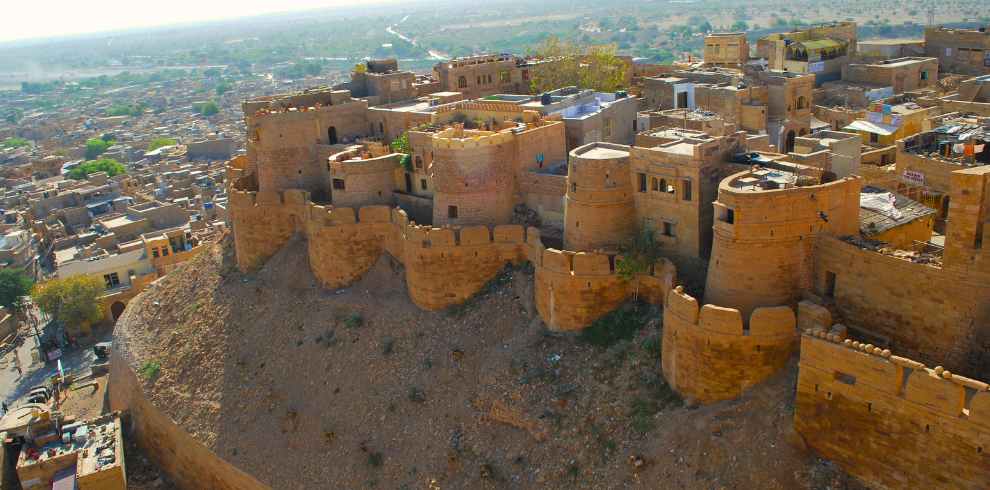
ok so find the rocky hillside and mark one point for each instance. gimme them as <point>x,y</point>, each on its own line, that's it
<point>357,388</point>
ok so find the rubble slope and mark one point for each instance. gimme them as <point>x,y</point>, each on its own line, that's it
<point>304,387</point>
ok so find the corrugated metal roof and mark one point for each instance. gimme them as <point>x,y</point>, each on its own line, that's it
<point>872,222</point>
<point>872,127</point>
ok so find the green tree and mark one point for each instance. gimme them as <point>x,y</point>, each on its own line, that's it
<point>563,64</point>
<point>127,109</point>
<point>739,26</point>
<point>401,145</point>
<point>14,143</point>
<point>14,285</point>
<point>161,142</point>
<point>109,165</point>
<point>96,147</point>
<point>638,256</point>
<point>206,108</point>
<point>73,301</point>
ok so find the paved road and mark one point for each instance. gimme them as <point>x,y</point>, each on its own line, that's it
<point>13,386</point>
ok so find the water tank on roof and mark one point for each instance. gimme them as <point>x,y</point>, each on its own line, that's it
<point>546,99</point>
<point>621,94</point>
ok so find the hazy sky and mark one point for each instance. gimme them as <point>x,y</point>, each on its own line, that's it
<point>45,18</point>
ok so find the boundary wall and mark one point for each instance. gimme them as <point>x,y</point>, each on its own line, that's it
<point>183,458</point>
<point>443,266</point>
<point>573,289</point>
<point>930,313</point>
<point>710,355</point>
<point>889,420</point>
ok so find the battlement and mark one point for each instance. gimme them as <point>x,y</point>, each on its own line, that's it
<point>331,216</point>
<point>487,106</point>
<point>429,237</point>
<point>911,423</point>
<point>241,198</point>
<point>774,321</point>
<point>461,139</point>
<point>573,289</point>
<point>444,266</point>
<point>859,363</point>
<point>710,354</point>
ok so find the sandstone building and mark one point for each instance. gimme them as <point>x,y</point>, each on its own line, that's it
<point>726,49</point>
<point>821,50</point>
<point>964,51</point>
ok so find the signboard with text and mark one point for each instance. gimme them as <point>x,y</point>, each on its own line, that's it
<point>913,177</point>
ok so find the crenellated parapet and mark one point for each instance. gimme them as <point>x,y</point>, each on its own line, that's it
<point>573,289</point>
<point>344,243</point>
<point>711,354</point>
<point>265,221</point>
<point>445,266</point>
<point>889,420</point>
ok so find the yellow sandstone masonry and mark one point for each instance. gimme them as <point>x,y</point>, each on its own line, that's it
<point>709,355</point>
<point>889,420</point>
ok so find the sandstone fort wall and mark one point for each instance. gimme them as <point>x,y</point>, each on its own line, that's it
<point>927,312</point>
<point>889,420</point>
<point>573,289</point>
<point>763,240</point>
<point>263,222</point>
<point>186,461</point>
<point>443,266</point>
<point>709,355</point>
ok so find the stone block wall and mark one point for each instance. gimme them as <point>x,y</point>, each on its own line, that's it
<point>186,461</point>
<point>763,257</point>
<point>573,289</point>
<point>709,354</point>
<point>599,210</point>
<point>343,243</point>
<point>889,420</point>
<point>929,313</point>
<point>263,222</point>
<point>445,267</point>
<point>472,183</point>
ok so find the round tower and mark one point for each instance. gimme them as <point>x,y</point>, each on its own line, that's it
<point>472,178</point>
<point>766,222</point>
<point>599,211</point>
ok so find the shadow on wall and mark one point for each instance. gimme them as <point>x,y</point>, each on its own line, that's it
<point>444,266</point>
<point>709,354</point>
<point>889,420</point>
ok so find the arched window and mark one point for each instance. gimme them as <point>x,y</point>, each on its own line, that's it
<point>419,161</point>
<point>381,127</point>
<point>462,82</point>
<point>655,184</point>
<point>663,185</point>
<point>802,103</point>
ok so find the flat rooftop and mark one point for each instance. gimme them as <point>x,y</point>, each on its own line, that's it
<point>120,221</point>
<point>604,153</point>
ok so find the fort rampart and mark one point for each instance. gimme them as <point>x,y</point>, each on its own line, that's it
<point>927,312</point>
<point>443,266</point>
<point>187,462</point>
<point>709,353</point>
<point>889,420</point>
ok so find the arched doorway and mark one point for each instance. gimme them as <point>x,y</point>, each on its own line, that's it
<point>789,142</point>
<point>116,310</point>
